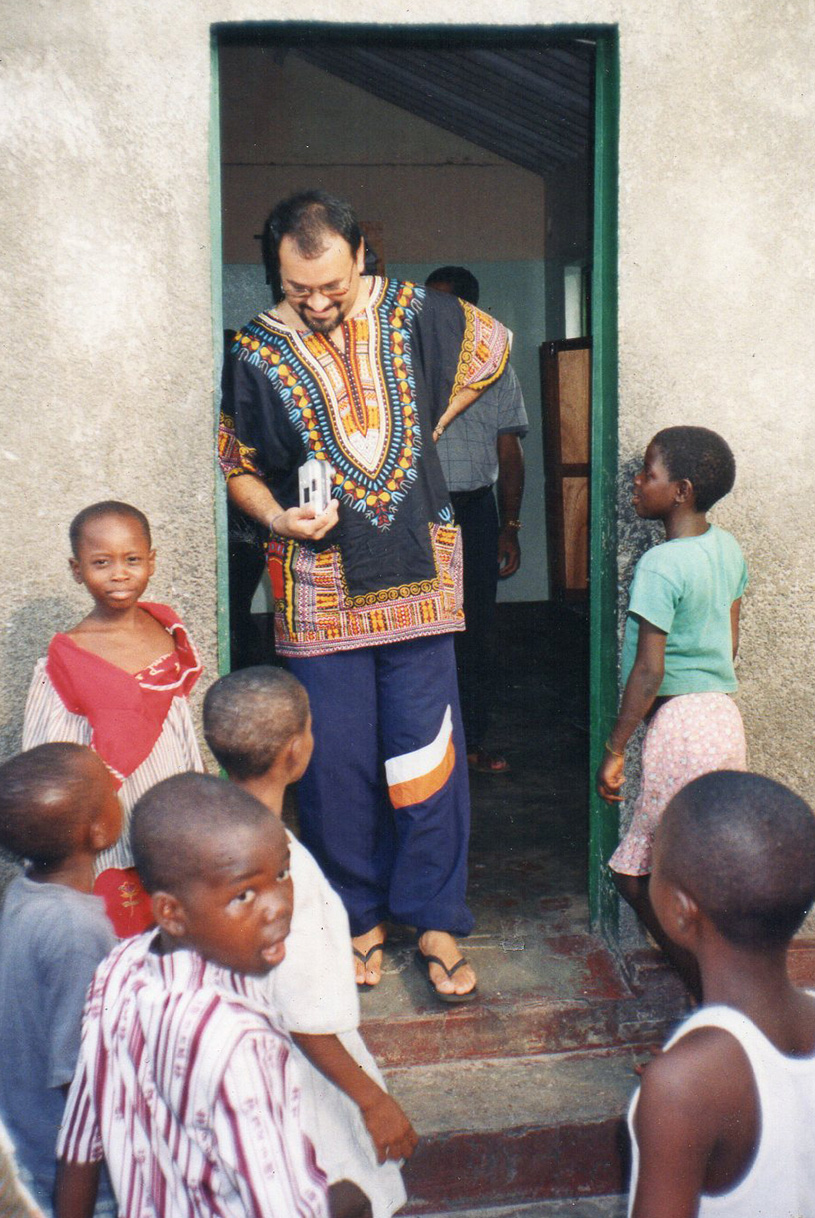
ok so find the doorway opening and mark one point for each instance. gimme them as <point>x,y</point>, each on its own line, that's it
<point>494,149</point>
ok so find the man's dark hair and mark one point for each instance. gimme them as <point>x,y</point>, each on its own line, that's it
<point>463,283</point>
<point>107,507</point>
<point>46,796</point>
<point>173,823</point>
<point>249,715</point>
<point>309,218</point>
<point>701,456</point>
<point>744,847</point>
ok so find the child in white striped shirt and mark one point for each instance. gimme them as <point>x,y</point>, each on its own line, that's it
<point>184,1082</point>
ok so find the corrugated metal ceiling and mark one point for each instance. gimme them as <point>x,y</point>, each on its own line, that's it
<point>531,105</point>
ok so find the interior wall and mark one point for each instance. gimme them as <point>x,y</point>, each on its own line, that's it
<point>292,126</point>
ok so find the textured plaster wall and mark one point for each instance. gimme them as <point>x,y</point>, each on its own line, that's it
<point>715,289</point>
<point>107,380</point>
<point>106,297</point>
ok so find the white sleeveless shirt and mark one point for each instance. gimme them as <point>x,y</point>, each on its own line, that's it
<point>780,1183</point>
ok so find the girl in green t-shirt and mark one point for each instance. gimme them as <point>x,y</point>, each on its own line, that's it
<point>680,642</point>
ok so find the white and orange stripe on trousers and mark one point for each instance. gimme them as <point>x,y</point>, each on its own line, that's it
<point>385,804</point>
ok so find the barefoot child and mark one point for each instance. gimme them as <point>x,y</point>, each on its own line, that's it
<point>681,637</point>
<point>119,682</point>
<point>184,1082</point>
<point>722,1124</point>
<point>258,726</point>
<point>58,809</point>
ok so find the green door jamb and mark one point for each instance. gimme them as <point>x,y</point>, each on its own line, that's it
<point>216,276</point>
<point>603,832</point>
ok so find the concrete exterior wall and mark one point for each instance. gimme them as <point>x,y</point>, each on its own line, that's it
<point>107,299</point>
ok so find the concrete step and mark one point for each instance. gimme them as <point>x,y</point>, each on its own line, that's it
<point>516,1130</point>
<point>566,1207</point>
<point>543,989</point>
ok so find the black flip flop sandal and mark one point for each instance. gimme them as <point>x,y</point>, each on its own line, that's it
<point>365,957</point>
<point>424,961</point>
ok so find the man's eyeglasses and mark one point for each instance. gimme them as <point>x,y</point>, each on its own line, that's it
<point>331,291</point>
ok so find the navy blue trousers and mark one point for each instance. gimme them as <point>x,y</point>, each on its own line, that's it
<point>385,804</point>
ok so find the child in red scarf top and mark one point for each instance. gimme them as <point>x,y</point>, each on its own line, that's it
<point>119,682</point>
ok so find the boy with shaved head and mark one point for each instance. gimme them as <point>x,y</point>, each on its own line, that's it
<point>722,1124</point>
<point>258,726</point>
<point>59,810</point>
<point>184,1082</point>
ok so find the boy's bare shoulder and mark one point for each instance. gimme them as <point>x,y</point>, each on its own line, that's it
<point>697,1123</point>
<point>704,1070</point>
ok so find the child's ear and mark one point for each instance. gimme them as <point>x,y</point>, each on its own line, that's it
<point>169,914</point>
<point>684,916</point>
<point>101,836</point>
<point>73,563</point>
<point>151,563</point>
<point>298,755</point>
<point>685,492</point>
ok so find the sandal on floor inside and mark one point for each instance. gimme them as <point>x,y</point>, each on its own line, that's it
<point>482,762</point>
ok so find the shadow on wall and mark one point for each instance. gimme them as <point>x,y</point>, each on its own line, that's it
<point>29,631</point>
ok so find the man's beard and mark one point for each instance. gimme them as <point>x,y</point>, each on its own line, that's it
<point>322,325</point>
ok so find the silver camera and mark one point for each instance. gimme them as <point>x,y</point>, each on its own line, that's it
<point>315,484</point>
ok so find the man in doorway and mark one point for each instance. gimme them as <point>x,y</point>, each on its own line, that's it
<point>363,372</point>
<point>482,448</point>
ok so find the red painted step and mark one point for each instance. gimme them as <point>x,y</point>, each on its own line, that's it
<point>516,1130</point>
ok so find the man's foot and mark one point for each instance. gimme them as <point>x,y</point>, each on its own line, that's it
<point>482,762</point>
<point>368,951</point>
<point>449,974</point>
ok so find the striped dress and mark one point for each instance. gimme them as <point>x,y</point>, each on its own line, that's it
<point>176,750</point>
<point>188,1089</point>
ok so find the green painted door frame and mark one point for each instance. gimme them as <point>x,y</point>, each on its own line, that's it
<point>216,264</point>
<point>603,832</point>
<point>603,547</point>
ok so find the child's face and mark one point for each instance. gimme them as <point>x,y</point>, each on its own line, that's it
<point>654,491</point>
<point>238,916</point>
<point>114,561</point>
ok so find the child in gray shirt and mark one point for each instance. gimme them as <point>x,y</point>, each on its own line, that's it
<point>58,809</point>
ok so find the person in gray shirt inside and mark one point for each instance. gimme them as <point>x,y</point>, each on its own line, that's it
<point>479,450</point>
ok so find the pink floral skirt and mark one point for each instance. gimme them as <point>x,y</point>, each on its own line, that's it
<point>689,735</point>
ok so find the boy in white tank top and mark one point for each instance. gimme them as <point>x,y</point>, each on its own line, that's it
<point>723,1122</point>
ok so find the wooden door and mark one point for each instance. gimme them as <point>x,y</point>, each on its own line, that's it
<point>566,383</point>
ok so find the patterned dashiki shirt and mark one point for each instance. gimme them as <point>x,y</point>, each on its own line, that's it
<point>391,569</point>
<point>189,1090</point>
